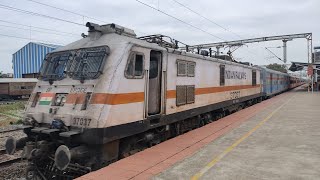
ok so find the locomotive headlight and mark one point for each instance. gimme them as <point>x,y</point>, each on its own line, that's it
<point>62,157</point>
<point>58,100</point>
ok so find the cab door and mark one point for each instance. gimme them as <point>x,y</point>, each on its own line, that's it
<point>154,84</point>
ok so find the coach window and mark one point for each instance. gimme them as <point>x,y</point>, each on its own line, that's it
<point>222,78</point>
<point>134,68</point>
<point>254,77</point>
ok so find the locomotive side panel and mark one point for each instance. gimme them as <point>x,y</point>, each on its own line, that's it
<point>208,88</point>
<point>127,102</point>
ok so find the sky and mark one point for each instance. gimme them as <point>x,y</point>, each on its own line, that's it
<point>229,20</point>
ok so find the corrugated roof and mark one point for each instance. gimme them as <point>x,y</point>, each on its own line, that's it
<point>40,44</point>
<point>48,45</point>
<point>9,80</point>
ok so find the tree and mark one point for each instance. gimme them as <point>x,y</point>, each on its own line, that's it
<point>278,67</point>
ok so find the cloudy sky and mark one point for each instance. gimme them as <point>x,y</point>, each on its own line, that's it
<point>245,19</point>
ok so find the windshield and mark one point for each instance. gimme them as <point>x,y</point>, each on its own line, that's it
<point>78,64</point>
<point>53,66</point>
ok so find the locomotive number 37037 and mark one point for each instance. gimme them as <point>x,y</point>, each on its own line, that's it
<point>85,122</point>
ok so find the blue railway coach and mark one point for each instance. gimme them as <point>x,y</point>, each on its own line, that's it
<point>274,82</point>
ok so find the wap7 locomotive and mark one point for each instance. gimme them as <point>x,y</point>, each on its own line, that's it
<point>110,94</point>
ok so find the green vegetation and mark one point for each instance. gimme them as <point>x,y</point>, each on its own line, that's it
<point>277,67</point>
<point>12,107</point>
<point>11,113</point>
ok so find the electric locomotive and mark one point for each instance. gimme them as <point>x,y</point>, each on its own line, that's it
<point>111,94</point>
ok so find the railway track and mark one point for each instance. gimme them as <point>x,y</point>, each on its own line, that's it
<point>2,152</point>
<point>10,102</point>
<point>9,130</point>
<point>9,161</point>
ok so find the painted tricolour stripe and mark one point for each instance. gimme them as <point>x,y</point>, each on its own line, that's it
<point>47,94</point>
<point>46,98</point>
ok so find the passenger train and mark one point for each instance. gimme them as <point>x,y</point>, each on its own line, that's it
<point>16,88</point>
<point>111,94</point>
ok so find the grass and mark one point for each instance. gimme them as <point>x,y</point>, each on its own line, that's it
<point>9,113</point>
<point>5,121</point>
<point>18,106</point>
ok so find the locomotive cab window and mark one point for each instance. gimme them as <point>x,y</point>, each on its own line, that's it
<point>134,69</point>
<point>87,63</point>
<point>222,78</point>
<point>154,68</point>
<point>254,77</point>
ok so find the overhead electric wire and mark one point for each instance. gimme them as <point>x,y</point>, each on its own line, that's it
<point>32,30</point>
<point>37,14</point>
<point>82,15</point>
<point>37,27</point>
<point>61,9</point>
<point>224,28</point>
<point>185,22</point>
<point>25,38</point>
<point>191,25</point>
<point>75,13</point>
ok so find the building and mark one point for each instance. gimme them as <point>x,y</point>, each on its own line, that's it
<point>27,61</point>
<point>313,68</point>
<point>316,54</point>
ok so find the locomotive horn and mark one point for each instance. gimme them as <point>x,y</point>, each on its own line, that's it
<point>64,155</point>
<point>12,144</point>
<point>93,26</point>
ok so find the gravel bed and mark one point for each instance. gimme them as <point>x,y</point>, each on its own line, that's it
<point>10,127</point>
<point>16,134</point>
<point>14,171</point>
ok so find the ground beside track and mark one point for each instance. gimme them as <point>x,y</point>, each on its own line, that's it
<point>275,139</point>
<point>11,113</point>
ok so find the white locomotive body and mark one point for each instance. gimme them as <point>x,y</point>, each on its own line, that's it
<point>111,94</point>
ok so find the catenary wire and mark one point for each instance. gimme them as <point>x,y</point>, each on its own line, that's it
<point>191,25</point>
<point>224,28</point>
<point>195,12</point>
<point>37,14</point>
<point>37,27</point>
<point>25,38</point>
<point>76,13</point>
<point>61,9</point>
<point>186,23</point>
<point>33,30</point>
